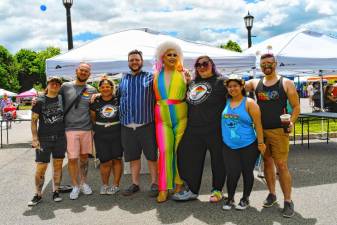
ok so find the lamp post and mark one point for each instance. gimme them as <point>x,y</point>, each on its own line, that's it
<point>249,25</point>
<point>67,4</point>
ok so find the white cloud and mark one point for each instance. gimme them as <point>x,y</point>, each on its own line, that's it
<point>24,25</point>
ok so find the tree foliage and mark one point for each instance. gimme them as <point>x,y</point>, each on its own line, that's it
<point>8,71</point>
<point>232,46</point>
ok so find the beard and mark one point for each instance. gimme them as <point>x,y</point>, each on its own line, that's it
<point>136,70</point>
<point>268,71</point>
<point>81,80</point>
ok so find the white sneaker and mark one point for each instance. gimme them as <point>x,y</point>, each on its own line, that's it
<point>74,193</point>
<point>104,190</point>
<point>86,189</point>
<point>113,190</point>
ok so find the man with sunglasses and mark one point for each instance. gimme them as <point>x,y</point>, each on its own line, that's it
<point>273,92</point>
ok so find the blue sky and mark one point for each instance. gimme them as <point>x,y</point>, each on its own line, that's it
<point>25,25</point>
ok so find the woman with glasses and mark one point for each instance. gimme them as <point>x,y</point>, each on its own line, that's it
<point>206,98</point>
<point>169,86</point>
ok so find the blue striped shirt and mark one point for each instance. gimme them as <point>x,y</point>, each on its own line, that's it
<point>136,98</point>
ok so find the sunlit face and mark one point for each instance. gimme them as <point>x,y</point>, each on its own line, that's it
<point>204,67</point>
<point>83,72</point>
<point>170,58</point>
<point>234,88</point>
<point>135,62</point>
<point>106,89</point>
<point>268,65</point>
<point>54,86</point>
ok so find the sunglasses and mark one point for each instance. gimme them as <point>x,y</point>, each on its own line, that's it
<point>203,64</point>
<point>267,65</point>
<point>172,55</point>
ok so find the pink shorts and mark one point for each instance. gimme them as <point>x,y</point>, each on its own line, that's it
<point>79,142</point>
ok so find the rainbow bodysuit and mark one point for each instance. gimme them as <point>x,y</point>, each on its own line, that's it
<point>171,121</point>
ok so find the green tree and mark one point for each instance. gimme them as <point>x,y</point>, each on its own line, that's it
<point>32,66</point>
<point>232,46</point>
<point>41,61</point>
<point>8,71</point>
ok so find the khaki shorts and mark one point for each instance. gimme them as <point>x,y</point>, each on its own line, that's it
<point>277,143</point>
<point>79,142</point>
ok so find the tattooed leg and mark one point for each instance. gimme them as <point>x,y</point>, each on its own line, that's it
<point>57,176</point>
<point>39,177</point>
<point>73,171</point>
<point>84,164</point>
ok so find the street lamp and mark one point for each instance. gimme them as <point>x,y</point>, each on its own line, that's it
<point>67,4</point>
<point>249,25</point>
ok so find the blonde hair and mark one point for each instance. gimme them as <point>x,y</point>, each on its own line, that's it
<point>164,47</point>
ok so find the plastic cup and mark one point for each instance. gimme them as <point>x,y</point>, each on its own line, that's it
<point>285,122</point>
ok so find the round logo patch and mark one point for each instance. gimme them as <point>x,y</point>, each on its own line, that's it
<point>108,111</point>
<point>198,93</point>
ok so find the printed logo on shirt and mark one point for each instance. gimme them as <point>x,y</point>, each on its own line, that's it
<point>231,121</point>
<point>268,95</point>
<point>108,111</point>
<point>198,93</point>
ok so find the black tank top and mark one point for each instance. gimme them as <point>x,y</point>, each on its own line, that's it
<point>273,103</point>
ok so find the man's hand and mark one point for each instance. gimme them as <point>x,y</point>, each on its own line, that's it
<point>187,76</point>
<point>35,143</point>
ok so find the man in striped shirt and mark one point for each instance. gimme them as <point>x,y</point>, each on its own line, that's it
<point>137,116</point>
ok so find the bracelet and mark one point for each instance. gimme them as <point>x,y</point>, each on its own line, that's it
<point>260,143</point>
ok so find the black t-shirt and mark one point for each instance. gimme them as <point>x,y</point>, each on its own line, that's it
<point>50,112</point>
<point>206,100</point>
<point>106,111</point>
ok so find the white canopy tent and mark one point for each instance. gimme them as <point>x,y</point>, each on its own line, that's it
<point>9,93</point>
<point>302,51</point>
<point>109,54</point>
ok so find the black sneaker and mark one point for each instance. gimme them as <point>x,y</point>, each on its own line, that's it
<point>131,190</point>
<point>270,201</point>
<point>36,200</point>
<point>153,190</point>
<point>288,210</point>
<point>243,204</point>
<point>228,204</point>
<point>56,197</point>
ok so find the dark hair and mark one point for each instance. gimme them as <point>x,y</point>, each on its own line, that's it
<point>326,91</point>
<point>214,70</point>
<point>243,91</point>
<point>267,55</point>
<point>134,52</point>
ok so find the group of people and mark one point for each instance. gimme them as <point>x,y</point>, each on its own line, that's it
<point>329,97</point>
<point>173,118</point>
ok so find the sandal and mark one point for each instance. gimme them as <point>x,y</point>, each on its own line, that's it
<point>216,196</point>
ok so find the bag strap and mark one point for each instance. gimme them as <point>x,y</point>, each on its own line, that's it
<point>75,102</point>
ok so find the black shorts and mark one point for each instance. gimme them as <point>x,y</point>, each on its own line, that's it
<point>108,142</point>
<point>51,145</point>
<point>136,140</point>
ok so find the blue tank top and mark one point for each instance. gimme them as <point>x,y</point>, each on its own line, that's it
<point>237,126</point>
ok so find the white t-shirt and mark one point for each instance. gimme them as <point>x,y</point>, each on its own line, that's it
<point>310,90</point>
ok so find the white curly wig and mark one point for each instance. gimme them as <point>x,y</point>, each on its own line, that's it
<point>162,48</point>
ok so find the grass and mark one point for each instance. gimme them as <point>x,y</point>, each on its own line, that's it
<point>316,126</point>
<point>24,107</point>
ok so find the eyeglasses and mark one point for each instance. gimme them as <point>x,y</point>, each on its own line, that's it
<point>267,65</point>
<point>172,55</point>
<point>203,64</point>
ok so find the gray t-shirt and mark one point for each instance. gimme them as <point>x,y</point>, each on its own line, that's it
<point>77,118</point>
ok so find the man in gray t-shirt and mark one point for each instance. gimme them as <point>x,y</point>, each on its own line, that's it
<point>76,95</point>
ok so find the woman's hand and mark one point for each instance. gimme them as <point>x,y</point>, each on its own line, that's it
<point>262,148</point>
<point>94,96</point>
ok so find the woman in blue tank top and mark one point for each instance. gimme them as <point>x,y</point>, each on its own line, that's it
<point>243,139</point>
